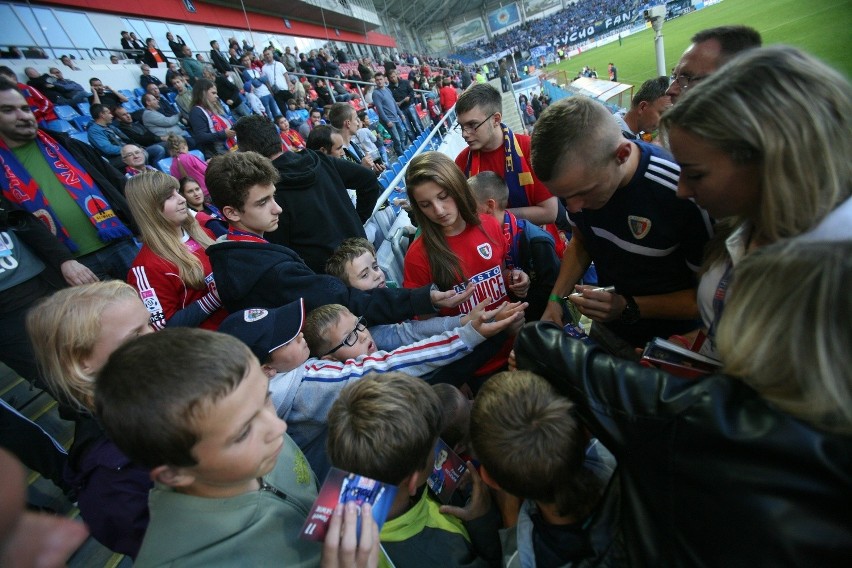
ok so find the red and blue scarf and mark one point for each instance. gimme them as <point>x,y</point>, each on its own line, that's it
<point>220,124</point>
<point>518,177</point>
<point>19,187</point>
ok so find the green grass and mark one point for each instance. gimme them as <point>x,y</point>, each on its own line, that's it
<point>820,27</point>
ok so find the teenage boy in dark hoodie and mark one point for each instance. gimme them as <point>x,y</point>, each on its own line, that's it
<point>318,213</point>
<point>251,272</point>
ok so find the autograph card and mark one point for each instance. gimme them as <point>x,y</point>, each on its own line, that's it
<point>343,487</point>
<point>447,470</point>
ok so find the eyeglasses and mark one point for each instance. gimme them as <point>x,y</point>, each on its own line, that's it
<point>470,129</point>
<point>351,338</point>
<point>685,81</point>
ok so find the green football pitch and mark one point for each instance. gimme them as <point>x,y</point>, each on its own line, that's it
<point>820,27</point>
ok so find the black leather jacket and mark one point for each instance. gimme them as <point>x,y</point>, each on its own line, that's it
<point>711,474</point>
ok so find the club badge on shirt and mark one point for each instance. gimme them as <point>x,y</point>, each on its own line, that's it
<point>484,251</point>
<point>639,226</point>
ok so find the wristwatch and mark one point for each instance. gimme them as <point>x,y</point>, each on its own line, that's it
<point>631,313</point>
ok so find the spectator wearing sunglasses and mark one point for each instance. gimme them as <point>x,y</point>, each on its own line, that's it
<point>303,387</point>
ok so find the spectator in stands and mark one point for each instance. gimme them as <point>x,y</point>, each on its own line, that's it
<point>101,242</point>
<point>784,391</point>
<point>256,78</point>
<point>173,71</point>
<point>153,56</point>
<point>709,50</point>
<point>370,141</point>
<point>389,114</point>
<point>105,95</point>
<point>146,79</point>
<point>176,45</point>
<point>326,140</point>
<point>651,258</point>
<point>311,187</point>
<point>274,71</point>
<point>50,87</point>
<point>290,138</point>
<point>218,59</point>
<point>343,117</point>
<point>323,94</point>
<point>108,139</point>
<point>205,213</point>
<point>185,164</point>
<point>405,98</point>
<point>157,122</point>
<point>447,94</point>
<point>134,158</point>
<point>492,145</point>
<point>136,131</point>
<point>210,128</point>
<point>130,41</point>
<point>40,105</point>
<point>113,59</point>
<point>172,271</point>
<point>741,161</point>
<point>228,92</point>
<point>194,69</point>
<point>165,105</point>
<point>184,96</point>
<point>69,63</point>
<point>73,332</point>
<point>66,83</point>
<point>646,107</point>
<point>314,120</point>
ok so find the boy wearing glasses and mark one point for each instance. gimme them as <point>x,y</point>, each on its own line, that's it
<point>304,387</point>
<point>493,147</point>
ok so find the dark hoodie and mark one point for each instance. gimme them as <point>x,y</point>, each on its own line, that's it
<point>318,213</point>
<point>265,275</point>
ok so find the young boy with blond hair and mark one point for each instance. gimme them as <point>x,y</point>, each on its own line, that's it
<point>531,447</point>
<point>231,488</point>
<point>304,387</point>
<point>385,427</point>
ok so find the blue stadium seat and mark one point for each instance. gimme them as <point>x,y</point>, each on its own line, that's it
<point>138,92</point>
<point>82,122</point>
<point>85,108</point>
<point>131,106</point>
<point>127,93</point>
<point>61,126</point>
<point>165,164</point>
<point>171,95</point>
<point>65,112</point>
<point>81,136</point>
<point>198,154</point>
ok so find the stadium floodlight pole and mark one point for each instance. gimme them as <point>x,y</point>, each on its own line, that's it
<point>657,15</point>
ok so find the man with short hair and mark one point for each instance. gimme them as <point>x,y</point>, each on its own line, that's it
<point>68,62</point>
<point>104,95</point>
<point>627,218</point>
<point>218,59</point>
<point>153,56</point>
<point>314,120</point>
<point>49,86</point>
<point>68,84</point>
<point>647,106</point>
<point>492,146</point>
<point>136,131</point>
<point>274,71</point>
<point>134,158</point>
<point>175,45</point>
<point>184,96</point>
<point>389,114</point>
<point>108,138</point>
<point>326,140</point>
<point>403,95</point>
<point>165,106</point>
<point>87,211</point>
<point>157,121</point>
<point>709,50</point>
<point>344,118</point>
<point>146,79</point>
<point>193,68</point>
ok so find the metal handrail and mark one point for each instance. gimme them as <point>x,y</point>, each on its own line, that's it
<point>51,47</point>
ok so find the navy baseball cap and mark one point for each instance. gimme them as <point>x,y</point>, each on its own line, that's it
<point>265,330</point>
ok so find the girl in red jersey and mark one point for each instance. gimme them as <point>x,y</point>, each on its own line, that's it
<point>172,272</point>
<point>457,247</point>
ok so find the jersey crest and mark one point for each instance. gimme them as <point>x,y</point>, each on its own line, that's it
<point>639,226</point>
<point>484,251</point>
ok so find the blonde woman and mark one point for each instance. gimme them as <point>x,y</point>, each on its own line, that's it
<point>764,144</point>
<point>172,272</point>
<point>745,468</point>
<point>73,333</point>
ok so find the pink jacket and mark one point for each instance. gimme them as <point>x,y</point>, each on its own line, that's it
<point>189,165</point>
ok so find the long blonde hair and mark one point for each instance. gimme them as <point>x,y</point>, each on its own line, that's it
<point>791,115</point>
<point>64,329</point>
<point>785,331</point>
<point>442,170</point>
<point>147,193</point>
